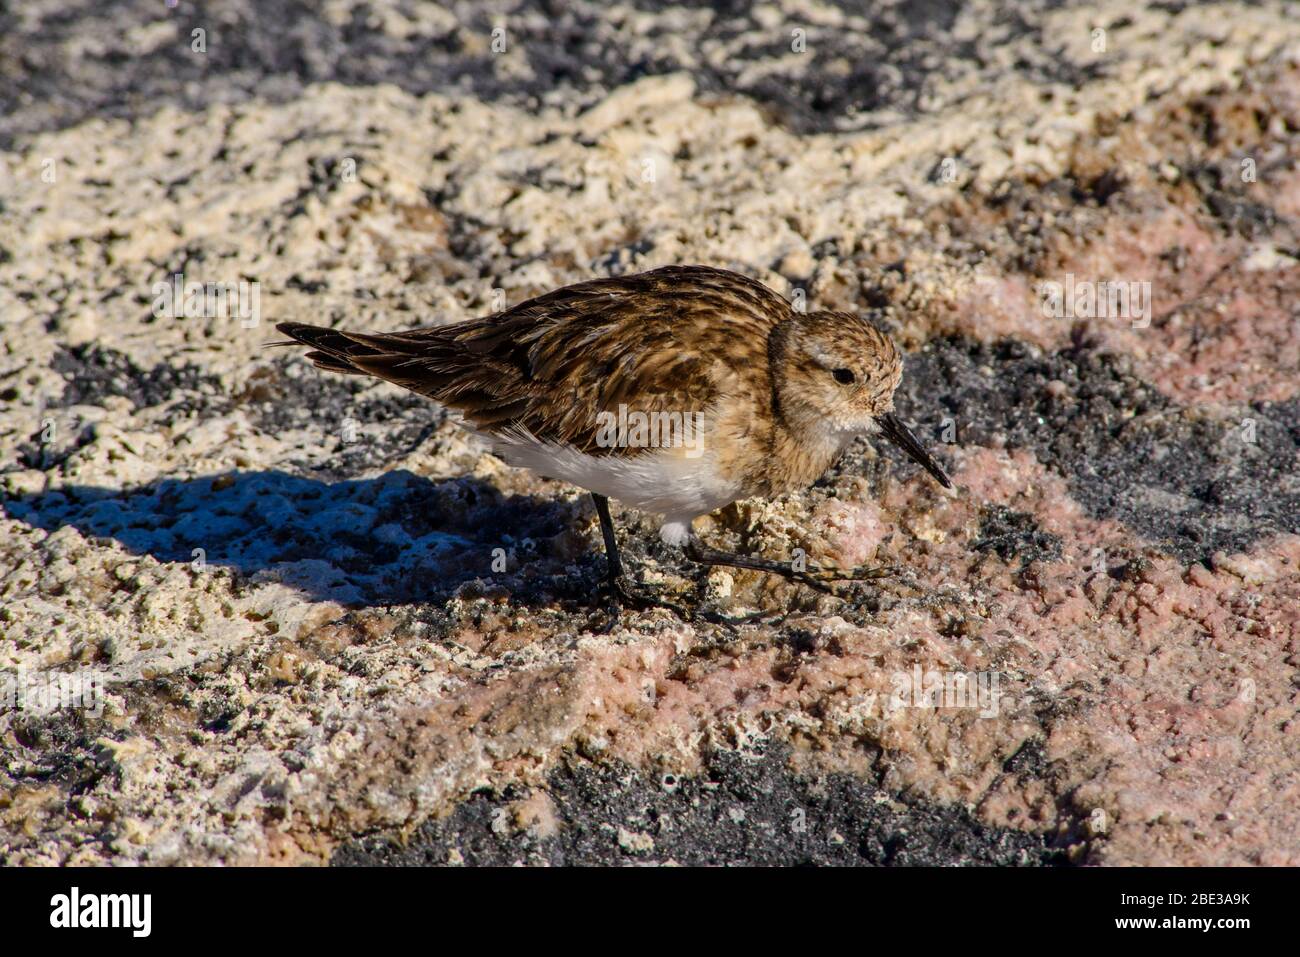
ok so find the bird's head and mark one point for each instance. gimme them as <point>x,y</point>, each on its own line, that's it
<point>835,376</point>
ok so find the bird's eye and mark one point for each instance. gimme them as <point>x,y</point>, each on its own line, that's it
<point>843,376</point>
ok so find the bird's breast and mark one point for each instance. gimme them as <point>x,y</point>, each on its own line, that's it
<point>677,480</point>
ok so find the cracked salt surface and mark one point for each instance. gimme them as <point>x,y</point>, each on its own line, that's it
<point>349,541</point>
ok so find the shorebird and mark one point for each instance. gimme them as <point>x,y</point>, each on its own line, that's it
<point>675,391</point>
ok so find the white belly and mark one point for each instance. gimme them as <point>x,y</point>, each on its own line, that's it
<point>667,481</point>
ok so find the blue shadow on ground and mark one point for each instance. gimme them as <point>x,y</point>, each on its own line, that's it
<point>392,539</point>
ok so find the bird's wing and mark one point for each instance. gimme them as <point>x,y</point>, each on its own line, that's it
<point>670,340</point>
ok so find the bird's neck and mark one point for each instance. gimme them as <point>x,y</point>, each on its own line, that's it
<point>800,456</point>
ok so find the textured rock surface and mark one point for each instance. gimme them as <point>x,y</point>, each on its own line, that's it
<point>288,578</point>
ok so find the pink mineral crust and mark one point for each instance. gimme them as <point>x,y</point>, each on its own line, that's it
<point>1222,324</point>
<point>1180,718</point>
<point>1221,327</point>
<point>999,306</point>
<point>1151,695</point>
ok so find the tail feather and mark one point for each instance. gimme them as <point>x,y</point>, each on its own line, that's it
<point>330,363</point>
<point>416,364</point>
<point>332,342</point>
<point>487,389</point>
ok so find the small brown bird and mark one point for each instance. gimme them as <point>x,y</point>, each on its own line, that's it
<point>675,391</point>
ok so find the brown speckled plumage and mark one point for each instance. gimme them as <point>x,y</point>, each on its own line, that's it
<point>781,392</point>
<point>550,364</point>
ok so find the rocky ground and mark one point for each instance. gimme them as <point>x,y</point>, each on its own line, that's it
<point>291,581</point>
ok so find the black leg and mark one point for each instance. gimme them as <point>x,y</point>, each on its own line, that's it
<point>618,585</point>
<point>813,577</point>
<point>611,543</point>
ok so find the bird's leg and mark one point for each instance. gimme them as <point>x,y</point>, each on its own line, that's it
<point>611,542</point>
<point>813,577</point>
<point>619,587</point>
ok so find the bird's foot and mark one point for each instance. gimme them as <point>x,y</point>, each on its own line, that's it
<point>625,594</point>
<point>815,577</point>
<point>859,573</point>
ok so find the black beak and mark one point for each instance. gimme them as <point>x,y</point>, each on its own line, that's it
<point>902,436</point>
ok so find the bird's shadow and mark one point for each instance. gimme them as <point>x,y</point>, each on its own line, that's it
<point>394,539</point>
